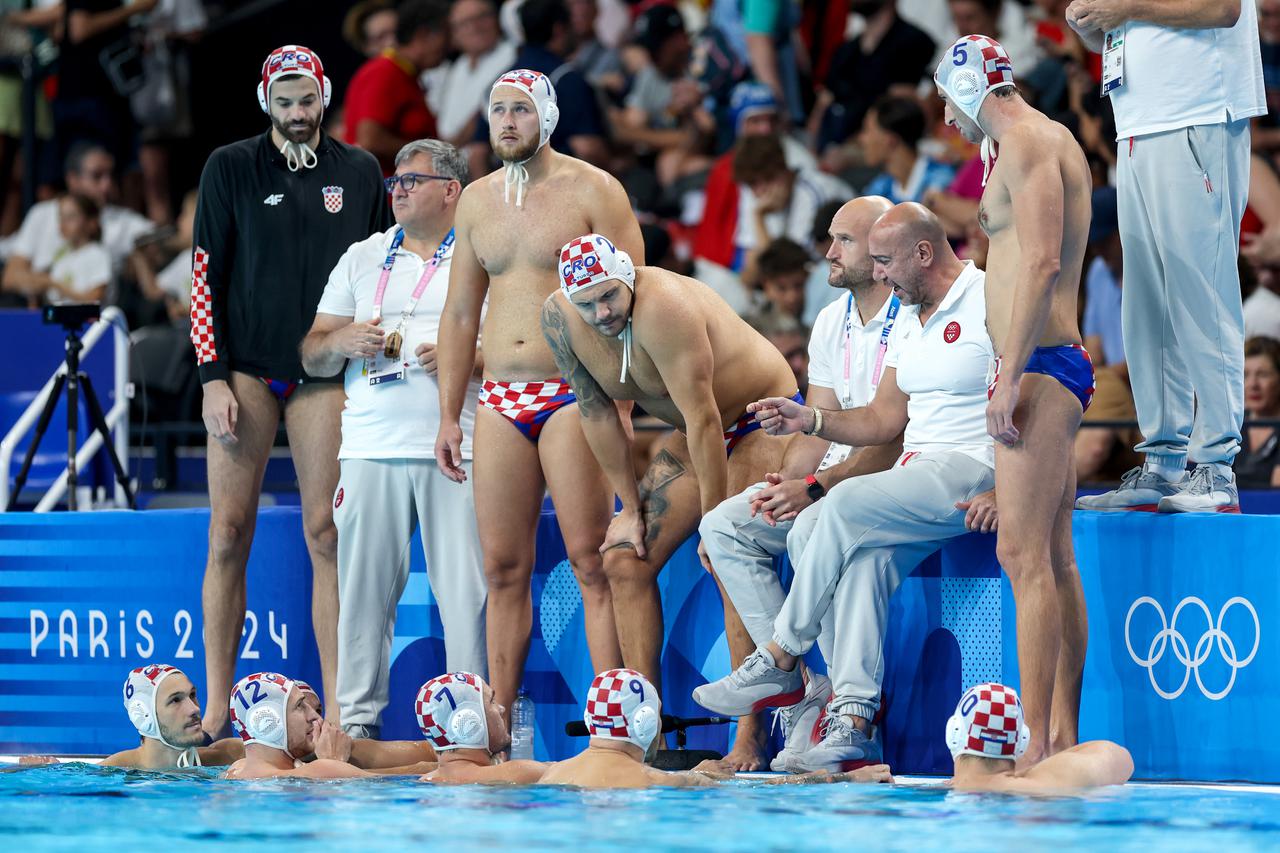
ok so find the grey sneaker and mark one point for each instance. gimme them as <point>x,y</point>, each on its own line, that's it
<point>802,722</point>
<point>841,749</point>
<point>1206,491</point>
<point>752,687</point>
<point>1140,491</point>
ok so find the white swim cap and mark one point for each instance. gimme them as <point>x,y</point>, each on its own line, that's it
<point>623,705</point>
<point>451,714</point>
<point>303,687</point>
<point>140,689</point>
<point>259,709</point>
<point>591,259</point>
<point>988,723</point>
<point>974,67</point>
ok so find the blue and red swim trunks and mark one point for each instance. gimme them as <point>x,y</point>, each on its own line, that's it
<point>1069,364</point>
<point>746,425</point>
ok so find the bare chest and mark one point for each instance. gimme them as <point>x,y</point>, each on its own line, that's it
<point>529,238</point>
<point>995,210</point>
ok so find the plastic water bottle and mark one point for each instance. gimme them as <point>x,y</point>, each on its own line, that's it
<point>522,728</point>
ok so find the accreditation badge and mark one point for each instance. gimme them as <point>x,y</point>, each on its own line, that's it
<point>1113,61</point>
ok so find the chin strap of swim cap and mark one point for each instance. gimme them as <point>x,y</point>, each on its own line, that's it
<point>451,714</point>
<point>975,67</point>
<point>538,87</point>
<point>259,709</point>
<point>140,689</point>
<point>590,260</point>
<point>298,155</point>
<point>623,705</point>
<point>988,723</point>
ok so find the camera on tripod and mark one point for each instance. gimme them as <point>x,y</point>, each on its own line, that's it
<point>71,315</point>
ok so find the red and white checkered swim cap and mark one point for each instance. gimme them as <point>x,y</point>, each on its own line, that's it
<point>623,705</point>
<point>450,711</point>
<point>591,259</point>
<point>293,59</point>
<point>140,689</point>
<point>259,709</point>
<point>988,723</point>
<point>974,67</point>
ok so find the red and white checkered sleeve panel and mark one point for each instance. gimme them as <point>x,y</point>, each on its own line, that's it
<point>202,309</point>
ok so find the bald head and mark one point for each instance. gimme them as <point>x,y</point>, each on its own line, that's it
<point>912,223</point>
<point>909,250</point>
<point>849,254</point>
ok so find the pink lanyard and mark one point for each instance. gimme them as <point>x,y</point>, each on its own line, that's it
<point>427,274</point>
<point>890,316</point>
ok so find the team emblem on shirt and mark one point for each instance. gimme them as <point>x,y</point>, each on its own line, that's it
<point>952,332</point>
<point>332,198</point>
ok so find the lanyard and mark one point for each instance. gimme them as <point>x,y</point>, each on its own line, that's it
<point>427,274</point>
<point>890,316</point>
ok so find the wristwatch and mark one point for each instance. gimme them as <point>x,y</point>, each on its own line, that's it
<point>814,488</point>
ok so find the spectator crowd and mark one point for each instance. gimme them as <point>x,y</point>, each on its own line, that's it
<point>736,127</point>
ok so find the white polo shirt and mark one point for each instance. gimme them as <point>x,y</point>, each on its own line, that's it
<point>1177,78</point>
<point>837,330</point>
<point>392,420</point>
<point>943,368</point>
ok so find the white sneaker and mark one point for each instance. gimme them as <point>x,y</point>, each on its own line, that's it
<point>841,749</point>
<point>752,687</point>
<point>802,722</point>
<point>1140,491</point>
<point>1207,490</point>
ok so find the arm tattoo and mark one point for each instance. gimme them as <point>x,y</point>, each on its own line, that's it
<point>592,400</point>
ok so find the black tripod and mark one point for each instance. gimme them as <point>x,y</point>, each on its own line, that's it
<point>73,380</point>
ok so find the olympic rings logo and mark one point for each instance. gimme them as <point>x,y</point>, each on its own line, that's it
<point>1214,636</point>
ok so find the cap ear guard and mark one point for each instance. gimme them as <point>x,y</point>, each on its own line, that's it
<point>550,118</point>
<point>140,717</point>
<point>647,724</point>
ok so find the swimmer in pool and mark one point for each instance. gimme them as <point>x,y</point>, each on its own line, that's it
<point>624,718</point>
<point>161,703</point>
<point>622,332</point>
<point>987,735</point>
<point>280,723</point>
<point>460,716</point>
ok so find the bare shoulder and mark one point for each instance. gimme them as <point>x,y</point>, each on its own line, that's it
<point>1030,141</point>
<point>125,758</point>
<point>224,751</point>
<point>476,197</point>
<point>588,177</point>
<point>522,772</point>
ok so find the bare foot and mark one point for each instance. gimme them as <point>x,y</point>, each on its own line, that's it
<point>1029,759</point>
<point>746,755</point>
<point>217,727</point>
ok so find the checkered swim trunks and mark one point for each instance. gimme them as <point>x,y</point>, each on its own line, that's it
<point>528,405</point>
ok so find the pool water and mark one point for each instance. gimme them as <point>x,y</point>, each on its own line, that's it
<point>83,808</point>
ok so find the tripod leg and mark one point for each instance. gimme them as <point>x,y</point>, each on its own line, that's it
<point>99,421</point>
<point>41,426</point>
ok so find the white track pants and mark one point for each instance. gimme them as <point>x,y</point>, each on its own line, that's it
<point>871,531</point>
<point>743,550</point>
<point>382,502</point>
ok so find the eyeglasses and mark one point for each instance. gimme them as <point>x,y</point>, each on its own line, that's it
<point>409,180</point>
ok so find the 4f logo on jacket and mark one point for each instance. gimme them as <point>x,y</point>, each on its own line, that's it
<point>273,199</point>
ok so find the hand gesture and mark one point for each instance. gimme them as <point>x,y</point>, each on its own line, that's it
<point>781,415</point>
